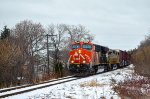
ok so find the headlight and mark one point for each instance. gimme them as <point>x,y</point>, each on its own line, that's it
<point>79,51</point>
<point>83,61</point>
<point>72,61</point>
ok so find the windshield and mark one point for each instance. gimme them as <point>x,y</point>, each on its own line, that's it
<point>75,46</point>
<point>87,46</point>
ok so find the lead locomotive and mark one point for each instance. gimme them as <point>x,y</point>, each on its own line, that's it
<point>86,58</point>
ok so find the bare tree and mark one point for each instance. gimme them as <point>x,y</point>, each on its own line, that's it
<point>29,38</point>
<point>20,55</point>
<point>78,33</point>
<point>9,58</point>
<point>141,57</point>
<point>57,42</point>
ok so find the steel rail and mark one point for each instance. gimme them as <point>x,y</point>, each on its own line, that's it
<point>29,85</point>
<point>32,89</point>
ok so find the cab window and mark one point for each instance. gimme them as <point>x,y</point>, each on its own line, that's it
<point>87,46</point>
<point>75,46</point>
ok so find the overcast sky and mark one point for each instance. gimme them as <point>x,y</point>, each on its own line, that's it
<point>118,24</point>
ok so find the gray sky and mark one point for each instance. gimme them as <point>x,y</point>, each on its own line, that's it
<point>118,24</point>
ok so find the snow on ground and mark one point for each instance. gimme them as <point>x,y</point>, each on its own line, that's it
<point>27,88</point>
<point>77,90</point>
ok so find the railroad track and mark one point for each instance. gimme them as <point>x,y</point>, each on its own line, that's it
<point>27,88</point>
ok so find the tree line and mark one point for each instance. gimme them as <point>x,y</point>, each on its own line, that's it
<point>24,50</point>
<point>141,57</point>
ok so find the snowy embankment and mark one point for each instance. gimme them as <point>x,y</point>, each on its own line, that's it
<point>93,87</point>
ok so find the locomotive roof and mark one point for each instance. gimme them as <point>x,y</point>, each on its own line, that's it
<point>99,48</point>
<point>99,45</point>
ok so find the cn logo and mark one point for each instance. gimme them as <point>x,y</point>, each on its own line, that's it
<point>76,54</point>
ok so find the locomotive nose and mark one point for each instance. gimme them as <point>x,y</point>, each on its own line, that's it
<point>76,57</point>
<point>80,56</point>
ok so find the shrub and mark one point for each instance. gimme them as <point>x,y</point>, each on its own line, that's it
<point>59,69</point>
<point>141,57</point>
<point>133,88</point>
<point>141,61</point>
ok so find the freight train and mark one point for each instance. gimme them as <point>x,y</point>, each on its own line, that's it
<point>86,58</point>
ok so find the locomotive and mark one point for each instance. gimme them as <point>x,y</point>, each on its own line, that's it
<point>86,58</point>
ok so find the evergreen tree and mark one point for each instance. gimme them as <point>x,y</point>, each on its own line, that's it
<point>5,33</point>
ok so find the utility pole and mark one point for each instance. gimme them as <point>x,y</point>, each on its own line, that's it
<point>48,52</point>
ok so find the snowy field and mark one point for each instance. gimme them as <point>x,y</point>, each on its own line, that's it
<point>93,87</point>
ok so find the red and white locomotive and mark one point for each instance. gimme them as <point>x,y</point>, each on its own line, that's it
<point>86,57</point>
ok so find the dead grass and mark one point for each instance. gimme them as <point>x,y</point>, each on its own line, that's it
<point>92,83</point>
<point>70,97</point>
<point>134,88</point>
<point>103,97</point>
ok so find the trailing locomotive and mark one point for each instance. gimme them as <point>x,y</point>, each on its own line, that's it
<point>86,58</point>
